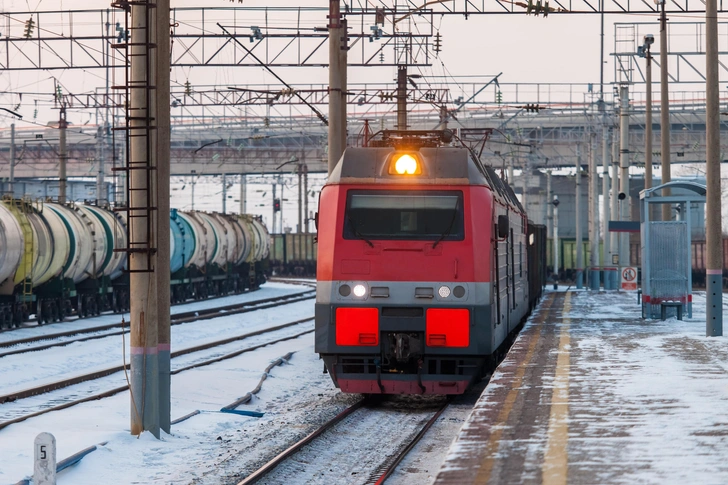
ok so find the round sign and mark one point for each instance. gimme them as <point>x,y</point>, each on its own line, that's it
<point>629,274</point>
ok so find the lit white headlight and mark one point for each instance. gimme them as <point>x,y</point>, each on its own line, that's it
<point>360,290</point>
<point>444,291</point>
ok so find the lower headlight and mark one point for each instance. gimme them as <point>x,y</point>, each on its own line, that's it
<point>360,290</point>
<point>444,291</point>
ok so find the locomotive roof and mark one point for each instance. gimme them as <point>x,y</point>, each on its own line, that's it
<point>440,166</point>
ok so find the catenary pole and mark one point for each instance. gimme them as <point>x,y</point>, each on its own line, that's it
<point>300,197</point>
<point>624,214</point>
<point>144,373</point>
<point>614,203</point>
<point>549,207</point>
<point>402,97</point>
<point>593,213</point>
<point>577,209</point>
<point>163,203</point>
<point>62,156</point>
<point>336,87</point>
<point>714,261</point>
<point>224,193</point>
<point>664,111</point>
<point>605,201</point>
<point>11,185</point>
<point>305,197</point>
<point>556,240</point>
<point>243,180</point>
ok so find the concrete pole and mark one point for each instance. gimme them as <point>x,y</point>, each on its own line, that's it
<point>624,172</point>
<point>163,132</point>
<point>343,62</point>
<point>648,122</point>
<point>614,202</point>
<point>579,263</point>
<point>606,259</point>
<point>243,180</point>
<point>336,87</point>
<point>305,197</point>
<point>556,240</point>
<point>11,185</point>
<point>144,375</point>
<point>224,194</point>
<point>273,221</point>
<point>549,207</point>
<point>300,198</point>
<point>714,262</point>
<point>664,111</point>
<point>280,216</point>
<point>401,97</point>
<point>107,126</point>
<point>593,214</point>
<point>192,184</point>
<point>524,185</point>
<point>100,162</point>
<point>63,156</point>
<point>443,118</point>
<point>511,180</point>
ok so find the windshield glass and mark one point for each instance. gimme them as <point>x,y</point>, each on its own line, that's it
<point>414,215</point>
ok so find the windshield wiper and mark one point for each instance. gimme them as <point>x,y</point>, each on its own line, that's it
<point>357,233</point>
<point>449,229</point>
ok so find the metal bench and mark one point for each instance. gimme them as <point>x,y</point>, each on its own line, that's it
<point>668,304</point>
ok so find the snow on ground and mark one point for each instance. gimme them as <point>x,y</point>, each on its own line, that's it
<point>82,357</point>
<point>645,401</point>
<point>672,369</point>
<point>268,290</point>
<point>651,391</point>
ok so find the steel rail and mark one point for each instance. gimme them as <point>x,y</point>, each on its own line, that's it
<point>405,451</point>
<point>117,390</point>
<point>177,319</point>
<point>272,464</point>
<point>53,386</point>
<point>390,464</point>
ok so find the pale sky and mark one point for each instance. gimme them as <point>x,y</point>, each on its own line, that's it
<point>526,49</point>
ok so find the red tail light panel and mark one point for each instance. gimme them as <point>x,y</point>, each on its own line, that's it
<point>448,327</point>
<point>357,326</point>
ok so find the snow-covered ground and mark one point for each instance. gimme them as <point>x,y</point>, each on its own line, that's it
<point>268,290</point>
<point>611,399</point>
<point>216,448</point>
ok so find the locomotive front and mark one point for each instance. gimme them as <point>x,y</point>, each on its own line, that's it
<point>403,301</point>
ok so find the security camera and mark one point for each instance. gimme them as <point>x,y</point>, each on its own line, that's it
<point>649,39</point>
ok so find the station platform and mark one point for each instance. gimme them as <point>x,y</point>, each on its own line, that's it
<point>592,394</point>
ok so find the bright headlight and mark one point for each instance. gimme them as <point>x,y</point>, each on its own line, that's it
<point>444,291</point>
<point>360,290</point>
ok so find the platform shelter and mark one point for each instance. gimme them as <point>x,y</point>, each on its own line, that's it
<point>667,281</point>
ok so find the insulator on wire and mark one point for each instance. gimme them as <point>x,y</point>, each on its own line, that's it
<point>29,26</point>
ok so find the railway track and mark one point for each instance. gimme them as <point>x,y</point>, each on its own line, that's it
<point>35,391</point>
<point>377,461</point>
<point>176,319</point>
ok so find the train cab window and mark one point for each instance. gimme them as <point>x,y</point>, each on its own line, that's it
<point>404,215</point>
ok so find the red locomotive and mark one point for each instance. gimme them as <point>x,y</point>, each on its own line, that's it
<point>422,266</point>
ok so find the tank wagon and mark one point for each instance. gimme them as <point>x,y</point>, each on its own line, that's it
<point>62,259</point>
<point>424,264</point>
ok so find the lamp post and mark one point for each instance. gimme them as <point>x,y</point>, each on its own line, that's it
<point>644,51</point>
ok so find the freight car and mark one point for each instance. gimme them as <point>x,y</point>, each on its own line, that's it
<point>698,255</point>
<point>424,267</point>
<point>293,254</point>
<point>62,259</point>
